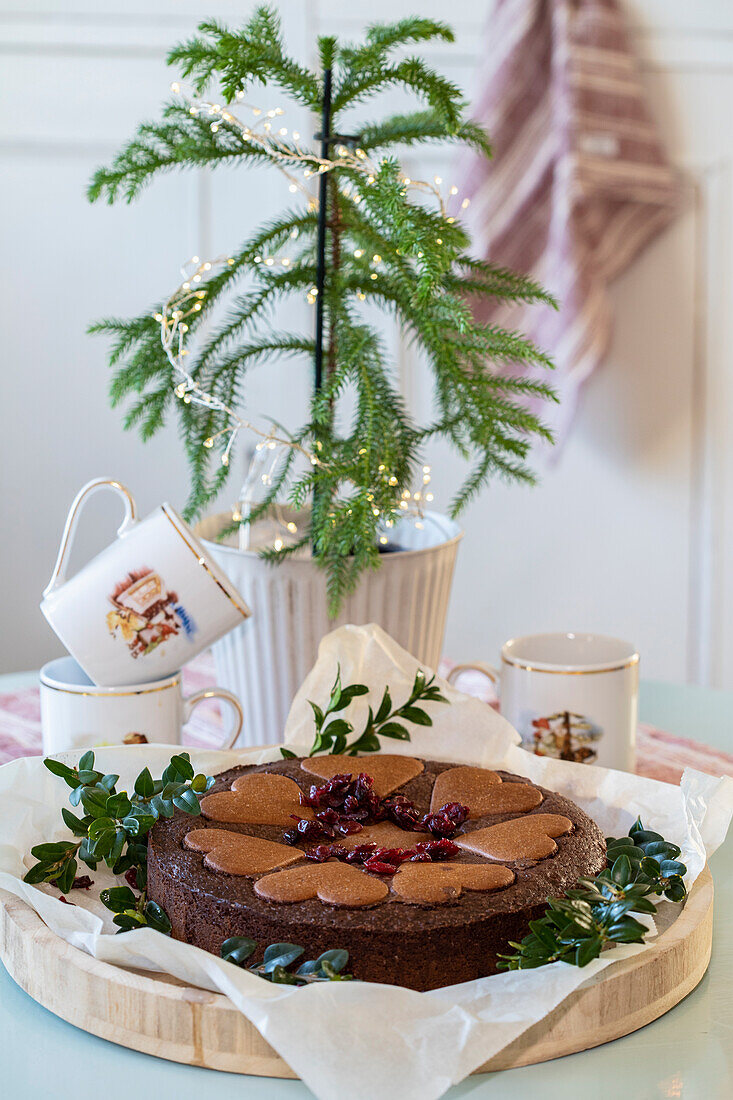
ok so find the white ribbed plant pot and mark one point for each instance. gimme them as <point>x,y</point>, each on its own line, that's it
<point>265,660</point>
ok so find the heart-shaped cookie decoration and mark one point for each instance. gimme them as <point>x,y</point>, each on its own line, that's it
<point>333,883</point>
<point>258,798</point>
<point>435,883</point>
<point>522,838</point>
<point>484,792</point>
<point>238,854</point>
<point>387,770</point>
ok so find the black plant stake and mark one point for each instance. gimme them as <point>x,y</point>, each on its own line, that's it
<point>325,136</point>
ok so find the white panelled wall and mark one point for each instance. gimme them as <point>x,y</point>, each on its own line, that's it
<point>631,529</point>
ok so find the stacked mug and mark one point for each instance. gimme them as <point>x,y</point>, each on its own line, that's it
<point>130,619</point>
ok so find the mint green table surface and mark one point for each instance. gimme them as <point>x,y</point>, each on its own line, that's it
<point>685,1055</point>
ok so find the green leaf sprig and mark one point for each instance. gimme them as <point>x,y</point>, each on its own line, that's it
<point>278,957</point>
<point>576,928</point>
<point>113,830</point>
<point>388,721</point>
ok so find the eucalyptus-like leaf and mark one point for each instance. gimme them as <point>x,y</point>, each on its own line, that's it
<point>237,949</point>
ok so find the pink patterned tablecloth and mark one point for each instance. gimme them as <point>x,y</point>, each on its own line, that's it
<point>659,755</point>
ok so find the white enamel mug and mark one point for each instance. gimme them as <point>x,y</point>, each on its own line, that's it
<point>76,714</point>
<point>146,604</point>
<point>569,696</point>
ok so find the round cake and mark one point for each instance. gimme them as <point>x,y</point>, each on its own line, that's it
<point>423,870</point>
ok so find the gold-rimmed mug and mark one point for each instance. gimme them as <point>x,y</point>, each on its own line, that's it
<point>147,604</point>
<point>77,714</point>
<point>572,696</point>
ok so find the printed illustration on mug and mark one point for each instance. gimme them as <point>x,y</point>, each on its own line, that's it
<point>564,736</point>
<point>145,613</point>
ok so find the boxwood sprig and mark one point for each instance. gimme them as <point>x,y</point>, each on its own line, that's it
<point>279,957</point>
<point>388,720</point>
<point>113,830</point>
<point>598,912</point>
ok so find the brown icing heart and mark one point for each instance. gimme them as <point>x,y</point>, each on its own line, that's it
<point>484,792</point>
<point>388,771</point>
<point>385,834</point>
<point>435,883</point>
<point>333,883</point>
<point>522,838</point>
<point>239,854</point>
<point>257,799</point>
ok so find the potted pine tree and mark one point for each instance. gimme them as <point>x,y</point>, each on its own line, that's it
<point>360,233</point>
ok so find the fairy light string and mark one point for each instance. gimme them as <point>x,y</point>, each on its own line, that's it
<point>188,298</point>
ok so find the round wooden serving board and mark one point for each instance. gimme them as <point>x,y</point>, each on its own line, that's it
<point>162,1016</point>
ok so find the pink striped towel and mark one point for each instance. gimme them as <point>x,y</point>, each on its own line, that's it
<point>579,182</point>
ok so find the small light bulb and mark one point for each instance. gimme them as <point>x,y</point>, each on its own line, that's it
<point>209,442</point>
<point>454,190</point>
<point>175,87</point>
<point>358,252</point>
<point>466,203</point>
<point>438,180</point>
<point>292,527</point>
<point>296,135</point>
<point>377,258</point>
<point>383,540</point>
<point>278,544</point>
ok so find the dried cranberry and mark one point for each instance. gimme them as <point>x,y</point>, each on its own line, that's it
<point>322,852</point>
<point>360,853</point>
<point>402,812</point>
<point>446,820</point>
<point>420,857</point>
<point>291,836</point>
<point>346,828</point>
<point>83,882</point>
<point>131,877</point>
<point>379,868</point>
<point>438,849</point>
<point>312,830</point>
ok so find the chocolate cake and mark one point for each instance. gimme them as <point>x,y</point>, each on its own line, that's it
<point>422,870</point>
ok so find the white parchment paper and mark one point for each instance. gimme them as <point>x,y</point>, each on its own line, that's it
<point>383,1040</point>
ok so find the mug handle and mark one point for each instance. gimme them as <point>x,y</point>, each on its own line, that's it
<point>475,666</point>
<point>58,577</point>
<point>216,693</point>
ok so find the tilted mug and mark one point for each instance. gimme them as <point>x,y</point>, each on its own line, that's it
<point>77,714</point>
<point>146,604</point>
<point>572,696</point>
